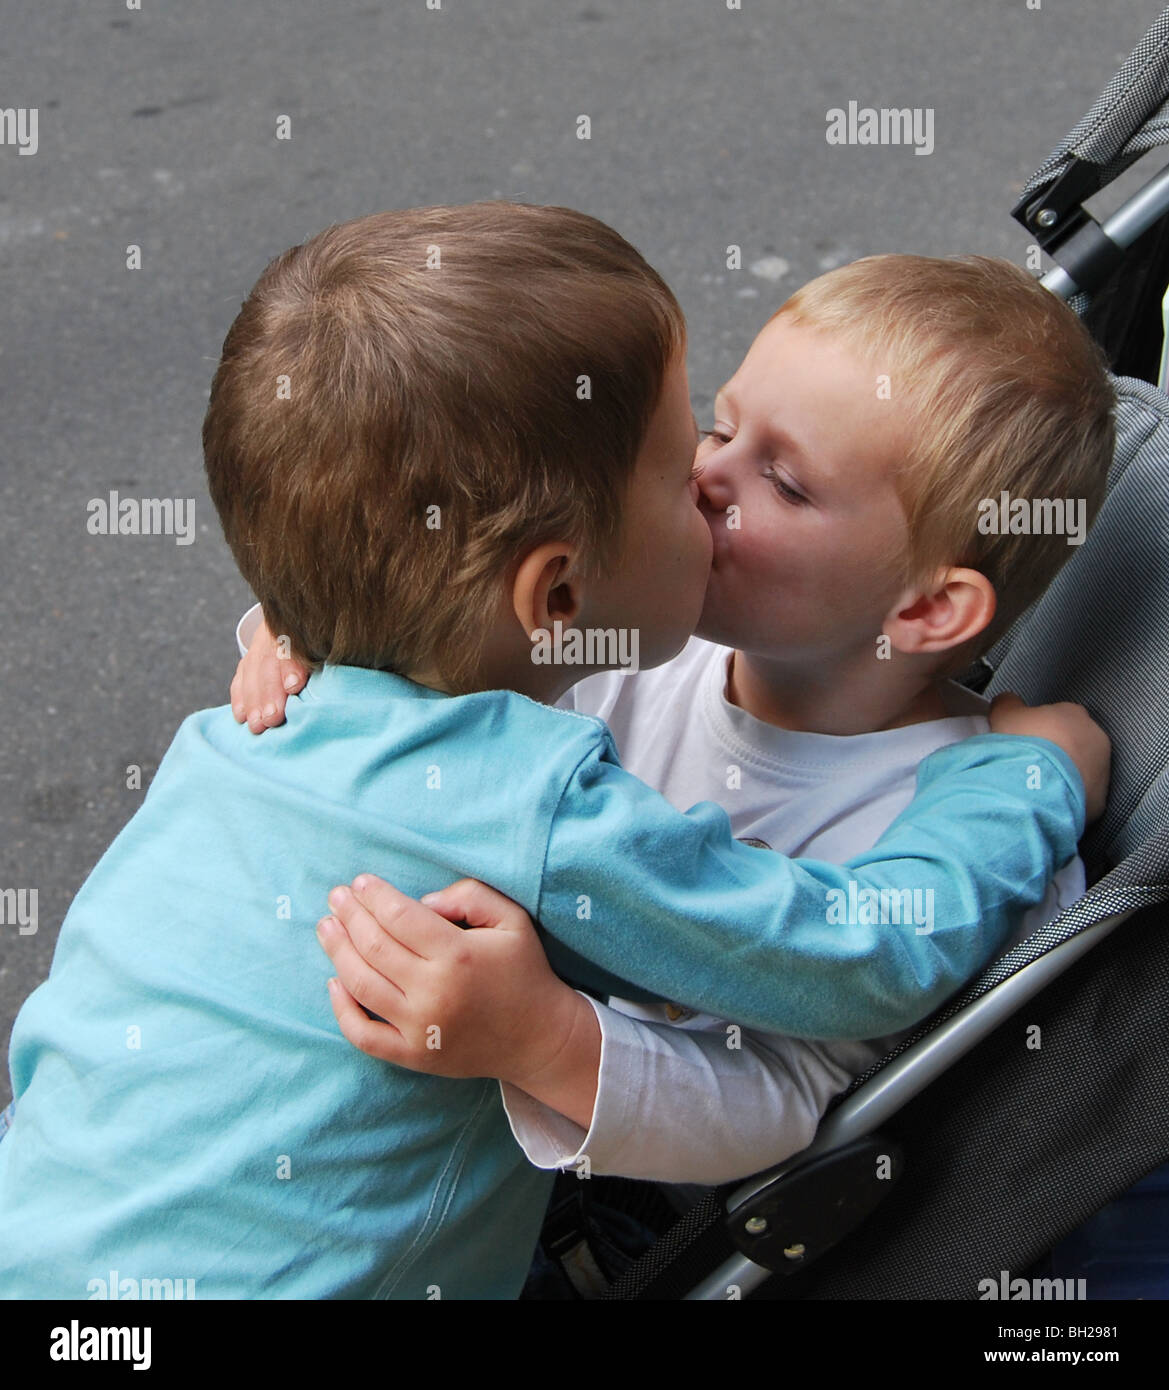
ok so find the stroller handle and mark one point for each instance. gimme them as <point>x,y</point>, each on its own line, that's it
<point>1135,217</point>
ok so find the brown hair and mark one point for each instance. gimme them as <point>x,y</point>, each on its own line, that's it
<point>401,410</point>
<point>1003,389</point>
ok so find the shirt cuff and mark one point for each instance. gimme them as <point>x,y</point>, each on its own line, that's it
<point>550,1139</point>
<point>245,629</point>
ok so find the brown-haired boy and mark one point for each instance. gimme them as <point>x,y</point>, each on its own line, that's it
<point>432,434</point>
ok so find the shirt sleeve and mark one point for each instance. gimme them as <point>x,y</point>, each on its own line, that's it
<point>674,903</point>
<point>712,1106</point>
<point>706,1105</point>
<point>1068,887</point>
<point>684,1106</point>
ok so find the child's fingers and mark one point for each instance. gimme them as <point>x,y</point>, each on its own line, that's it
<point>279,677</point>
<point>379,946</point>
<point>380,1040</point>
<point>263,682</point>
<point>293,676</point>
<point>238,708</point>
<point>419,928</point>
<point>256,695</point>
<point>475,903</point>
<point>370,986</point>
<point>264,694</point>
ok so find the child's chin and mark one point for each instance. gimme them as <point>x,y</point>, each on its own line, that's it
<point>712,628</point>
<point>714,619</point>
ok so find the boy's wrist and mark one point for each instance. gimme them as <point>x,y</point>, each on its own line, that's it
<point>563,1072</point>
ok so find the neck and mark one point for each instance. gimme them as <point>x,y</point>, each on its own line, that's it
<point>512,668</point>
<point>857,695</point>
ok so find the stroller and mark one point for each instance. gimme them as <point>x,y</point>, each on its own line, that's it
<point>1007,1149</point>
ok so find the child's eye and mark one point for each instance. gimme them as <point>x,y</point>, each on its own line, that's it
<point>789,494</point>
<point>715,434</point>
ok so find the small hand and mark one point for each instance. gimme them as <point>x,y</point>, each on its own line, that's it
<point>263,682</point>
<point>1073,729</point>
<point>453,1002</point>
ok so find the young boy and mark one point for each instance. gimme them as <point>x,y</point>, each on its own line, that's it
<point>431,434</point>
<point>855,445</point>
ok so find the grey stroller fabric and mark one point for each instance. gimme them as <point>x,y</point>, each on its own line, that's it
<point>1100,636</point>
<point>1129,118</point>
<point>1017,1145</point>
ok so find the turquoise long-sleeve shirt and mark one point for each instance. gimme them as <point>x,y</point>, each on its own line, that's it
<point>186,1108</point>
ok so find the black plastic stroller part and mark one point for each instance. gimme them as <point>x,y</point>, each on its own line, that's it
<point>798,1218</point>
<point>784,1227</point>
<point>1125,316</point>
<point>1066,231</point>
<point>1128,119</point>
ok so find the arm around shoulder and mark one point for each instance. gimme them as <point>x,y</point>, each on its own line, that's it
<point>674,904</point>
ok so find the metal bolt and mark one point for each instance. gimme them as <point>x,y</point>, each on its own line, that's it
<point>755,1225</point>
<point>1047,217</point>
<point>795,1252</point>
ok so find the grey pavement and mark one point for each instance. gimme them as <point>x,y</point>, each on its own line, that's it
<point>157,128</point>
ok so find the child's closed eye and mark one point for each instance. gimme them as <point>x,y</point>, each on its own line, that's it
<point>785,490</point>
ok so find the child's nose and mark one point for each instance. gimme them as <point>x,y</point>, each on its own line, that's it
<point>715,492</point>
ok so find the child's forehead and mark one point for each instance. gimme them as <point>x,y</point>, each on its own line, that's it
<point>782,344</point>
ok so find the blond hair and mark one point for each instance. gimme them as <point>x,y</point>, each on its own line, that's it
<point>399,412</point>
<point>1002,390</point>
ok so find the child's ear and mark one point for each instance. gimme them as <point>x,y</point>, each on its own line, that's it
<point>950,612</point>
<point>546,587</point>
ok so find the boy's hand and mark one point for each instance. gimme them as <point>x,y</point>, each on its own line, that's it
<point>263,682</point>
<point>457,1002</point>
<point>1076,732</point>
